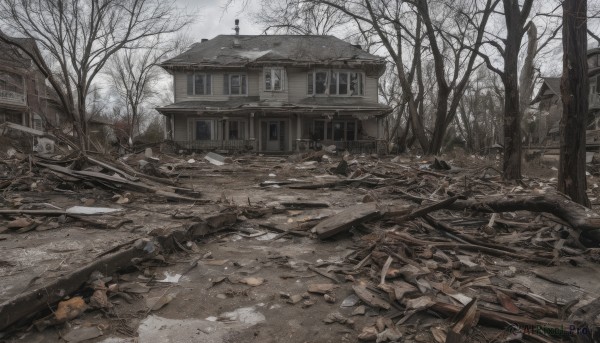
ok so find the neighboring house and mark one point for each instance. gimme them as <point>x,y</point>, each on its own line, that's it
<point>550,104</point>
<point>278,93</point>
<point>24,97</point>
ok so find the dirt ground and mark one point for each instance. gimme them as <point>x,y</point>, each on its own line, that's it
<point>208,302</point>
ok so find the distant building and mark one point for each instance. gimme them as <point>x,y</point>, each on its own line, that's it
<point>275,93</point>
<point>24,97</point>
<point>550,103</point>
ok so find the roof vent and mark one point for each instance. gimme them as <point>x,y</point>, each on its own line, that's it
<point>237,27</point>
<point>204,40</point>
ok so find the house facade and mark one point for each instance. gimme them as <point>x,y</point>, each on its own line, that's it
<point>24,97</point>
<point>279,93</point>
<point>550,103</point>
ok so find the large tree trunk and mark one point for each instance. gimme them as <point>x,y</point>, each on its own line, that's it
<point>512,114</point>
<point>439,130</point>
<point>574,90</point>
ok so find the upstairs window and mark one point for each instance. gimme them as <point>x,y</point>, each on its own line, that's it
<point>235,84</point>
<point>344,83</point>
<point>273,79</point>
<point>199,84</point>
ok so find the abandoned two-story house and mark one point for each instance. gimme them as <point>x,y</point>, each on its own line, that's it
<point>550,104</point>
<point>278,93</point>
<point>24,97</point>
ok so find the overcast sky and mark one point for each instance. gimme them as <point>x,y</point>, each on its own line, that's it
<point>212,18</point>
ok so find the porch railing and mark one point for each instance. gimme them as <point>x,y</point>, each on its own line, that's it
<point>236,145</point>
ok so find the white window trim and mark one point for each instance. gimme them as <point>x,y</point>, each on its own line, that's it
<point>206,75</point>
<point>337,71</point>
<point>241,88</point>
<point>272,70</point>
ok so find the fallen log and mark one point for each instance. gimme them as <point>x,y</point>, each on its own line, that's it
<point>579,217</point>
<point>28,304</point>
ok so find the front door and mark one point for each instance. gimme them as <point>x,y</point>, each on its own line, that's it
<point>273,135</point>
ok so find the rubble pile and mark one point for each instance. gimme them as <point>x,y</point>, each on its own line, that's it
<point>438,253</point>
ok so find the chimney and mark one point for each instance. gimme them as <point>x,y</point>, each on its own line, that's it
<point>204,40</point>
<point>237,27</point>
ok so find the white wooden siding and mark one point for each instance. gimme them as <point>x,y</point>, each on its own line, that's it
<point>217,87</point>
<point>180,130</point>
<point>295,83</point>
<point>371,89</point>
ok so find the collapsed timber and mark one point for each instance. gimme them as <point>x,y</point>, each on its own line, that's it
<point>426,240</point>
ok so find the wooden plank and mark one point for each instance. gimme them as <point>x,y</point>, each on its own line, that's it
<point>346,219</point>
<point>31,302</point>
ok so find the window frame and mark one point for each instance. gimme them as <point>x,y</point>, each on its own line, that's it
<point>212,126</point>
<point>207,85</point>
<point>243,83</point>
<point>334,75</point>
<point>271,72</point>
<point>329,129</point>
<point>241,129</point>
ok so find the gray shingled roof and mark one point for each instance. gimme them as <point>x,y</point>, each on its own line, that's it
<point>231,50</point>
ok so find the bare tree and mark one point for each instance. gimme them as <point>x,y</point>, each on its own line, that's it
<point>452,41</point>
<point>515,19</point>
<point>574,91</point>
<point>80,36</point>
<point>298,17</point>
<point>134,75</point>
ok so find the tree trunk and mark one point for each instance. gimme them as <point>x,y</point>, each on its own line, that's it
<point>439,130</point>
<point>574,90</point>
<point>512,115</point>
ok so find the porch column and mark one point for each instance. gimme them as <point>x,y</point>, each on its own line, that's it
<point>251,137</point>
<point>379,128</point>
<point>298,131</point>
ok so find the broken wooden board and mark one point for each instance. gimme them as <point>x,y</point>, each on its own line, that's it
<point>370,298</point>
<point>346,219</point>
<point>33,302</point>
<point>216,159</point>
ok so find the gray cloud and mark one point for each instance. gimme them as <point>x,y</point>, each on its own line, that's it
<point>213,17</point>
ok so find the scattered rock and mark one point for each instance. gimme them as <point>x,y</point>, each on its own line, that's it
<point>321,288</point>
<point>252,281</point>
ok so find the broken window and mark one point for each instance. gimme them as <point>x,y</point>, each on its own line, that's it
<point>273,79</point>
<point>343,83</point>
<point>335,83</point>
<point>199,84</point>
<point>356,87</point>
<point>320,82</point>
<point>204,130</point>
<point>235,84</point>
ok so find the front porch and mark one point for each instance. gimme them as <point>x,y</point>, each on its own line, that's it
<point>281,132</point>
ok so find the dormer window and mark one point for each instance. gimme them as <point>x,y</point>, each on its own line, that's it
<point>273,79</point>
<point>199,84</point>
<point>344,83</point>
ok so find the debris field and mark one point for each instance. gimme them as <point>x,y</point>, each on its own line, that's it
<point>319,247</point>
